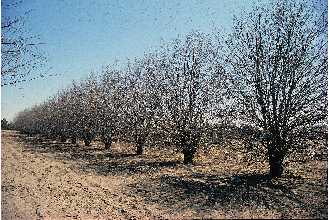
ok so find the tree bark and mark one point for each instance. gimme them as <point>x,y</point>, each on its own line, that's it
<point>139,149</point>
<point>107,138</point>
<point>276,156</point>
<point>275,167</point>
<point>87,142</point>
<point>88,137</point>
<point>63,139</point>
<point>107,145</point>
<point>189,154</point>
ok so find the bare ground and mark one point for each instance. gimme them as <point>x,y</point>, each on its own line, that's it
<point>44,179</point>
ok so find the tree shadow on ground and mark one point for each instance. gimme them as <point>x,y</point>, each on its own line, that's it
<point>289,196</point>
<point>122,168</point>
<point>95,158</point>
<point>202,192</point>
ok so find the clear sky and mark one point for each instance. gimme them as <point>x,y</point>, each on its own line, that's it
<point>82,35</point>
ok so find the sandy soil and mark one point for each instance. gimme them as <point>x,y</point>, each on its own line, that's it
<point>45,179</point>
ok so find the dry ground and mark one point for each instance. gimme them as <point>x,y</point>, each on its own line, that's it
<point>44,179</point>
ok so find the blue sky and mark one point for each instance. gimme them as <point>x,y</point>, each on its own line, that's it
<point>81,36</point>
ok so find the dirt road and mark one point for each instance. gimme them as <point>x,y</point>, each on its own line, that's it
<point>44,179</point>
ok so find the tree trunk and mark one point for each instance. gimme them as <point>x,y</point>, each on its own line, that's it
<point>139,149</point>
<point>188,157</point>
<point>87,142</point>
<point>107,138</point>
<point>189,154</point>
<point>107,145</point>
<point>276,167</point>
<point>88,137</point>
<point>275,160</point>
<point>63,139</point>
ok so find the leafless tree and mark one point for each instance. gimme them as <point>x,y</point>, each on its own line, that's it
<point>189,82</point>
<point>276,60</point>
<point>141,102</point>
<point>110,99</point>
<point>20,51</point>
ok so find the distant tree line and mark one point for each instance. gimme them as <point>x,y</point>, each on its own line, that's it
<point>266,80</point>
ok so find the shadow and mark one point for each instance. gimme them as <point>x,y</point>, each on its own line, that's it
<point>238,192</point>
<point>118,156</point>
<point>122,168</point>
<point>188,188</point>
<point>96,158</point>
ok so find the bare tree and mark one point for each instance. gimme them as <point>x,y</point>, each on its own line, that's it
<point>20,51</point>
<point>276,60</point>
<point>110,99</point>
<point>142,101</point>
<point>188,83</point>
<point>89,100</point>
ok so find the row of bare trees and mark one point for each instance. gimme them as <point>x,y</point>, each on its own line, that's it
<point>269,73</point>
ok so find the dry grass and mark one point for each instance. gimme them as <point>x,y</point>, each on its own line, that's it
<point>50,180</point>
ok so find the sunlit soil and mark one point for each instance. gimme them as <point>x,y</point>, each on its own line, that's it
<point>52,180</point>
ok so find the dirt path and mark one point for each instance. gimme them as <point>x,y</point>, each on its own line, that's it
<point>43,179</point>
